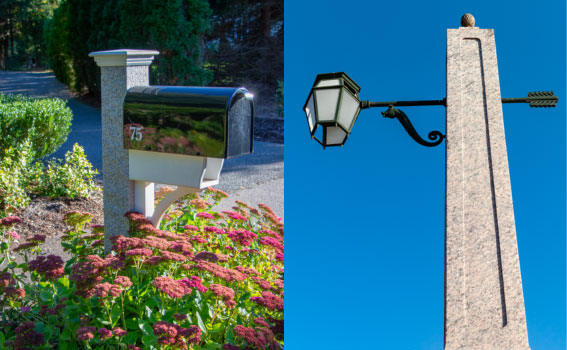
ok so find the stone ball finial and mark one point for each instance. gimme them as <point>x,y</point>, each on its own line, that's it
<point>467,20</point>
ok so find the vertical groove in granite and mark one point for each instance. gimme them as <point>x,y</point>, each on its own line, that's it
<point>117,192</point>
<point>484,306</point>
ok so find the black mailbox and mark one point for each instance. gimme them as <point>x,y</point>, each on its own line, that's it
<point>214,122</point>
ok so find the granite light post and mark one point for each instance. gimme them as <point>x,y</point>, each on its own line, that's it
<point>484,304</point>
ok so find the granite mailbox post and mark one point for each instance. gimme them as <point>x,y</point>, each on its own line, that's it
<point>163,134</point>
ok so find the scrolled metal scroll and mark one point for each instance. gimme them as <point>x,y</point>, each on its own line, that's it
<point>435,136</point>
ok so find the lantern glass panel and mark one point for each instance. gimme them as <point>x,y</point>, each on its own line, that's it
<point>327,100</point>
<point>335,136</point>
<point>310,111</point>
<point>332,82</point>
<point>349,109</point>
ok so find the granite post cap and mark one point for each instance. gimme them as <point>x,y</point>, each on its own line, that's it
<point>123,57</point>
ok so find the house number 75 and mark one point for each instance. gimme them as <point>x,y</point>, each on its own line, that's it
<point>136,132</point>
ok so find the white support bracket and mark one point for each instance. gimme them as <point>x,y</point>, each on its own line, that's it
<point>167,201</point>
<point>190,174</point>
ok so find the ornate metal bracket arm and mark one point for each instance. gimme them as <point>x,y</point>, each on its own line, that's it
<point>435,136</point>
<point>368,104</point>
<point>535,99</point>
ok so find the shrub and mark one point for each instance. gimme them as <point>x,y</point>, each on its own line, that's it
<point>20,178</point>
<point>174,28</point>
<point>56,37</point>
<point>15,174</point>
<point>72,178</point>
<point>215,282</point>
<point>44,122</point>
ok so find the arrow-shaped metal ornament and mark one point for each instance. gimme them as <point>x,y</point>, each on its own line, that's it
<point>535,99</point>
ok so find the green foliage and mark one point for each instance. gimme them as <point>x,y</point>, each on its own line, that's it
<point>20,177</point>
<point>200,286</point>
<point>72,178</point>
<point>21,32</point>
<point>44,122</point>
<point>280,98</point>
<point>174,28</point>
<point>246,44</point>
<point>15,171</point>
<point>56,35</point>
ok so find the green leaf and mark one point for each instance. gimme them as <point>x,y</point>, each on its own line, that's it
<point>210,310</point>
<point>145,327</point>
<point>45,295</point>
<point>132,309</point>
<point>104,322</point>
<point>149,311</point>
<point>244,296</point>
<point>67,345</point>
<point>229,337</point>
<point>144,292</point>
<point>2,340</point>
<point>149,340</point>
<point>200,322</point>
<point>153,302</point>
<point>169,315</point>
<point>64,281</point>
<point>116,313</point>
<point>217,328</point>
<point>132,324</point>
<point>132,336</point>
<point>65,335</point>
<point>197,304</point>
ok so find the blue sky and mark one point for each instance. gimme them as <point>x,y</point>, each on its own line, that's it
<point>365,223</point>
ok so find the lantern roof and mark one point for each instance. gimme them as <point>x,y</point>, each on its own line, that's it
<point>347,81</point>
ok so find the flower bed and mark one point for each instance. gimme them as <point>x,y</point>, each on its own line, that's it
<point>207,280</point>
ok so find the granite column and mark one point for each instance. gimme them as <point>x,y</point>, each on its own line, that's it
<point>484,303</point>
<point>120,70</point>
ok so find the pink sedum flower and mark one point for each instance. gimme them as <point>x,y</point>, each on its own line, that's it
<point>194,282</point>
<point>85,333</point>
<point>173,288</point>
<point>139,252</point>
<point>104,333</point>
<point>241,236</point>
<point>9,221</point>
<point>269,300</point>
<point>50,267</point>
<point>191,227</point>
<point>205,216</point>
<point>119,332</point>
<point>123,281</point>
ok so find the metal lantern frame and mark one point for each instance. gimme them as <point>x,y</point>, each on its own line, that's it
<point>346,86</point>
